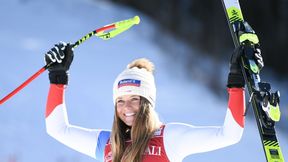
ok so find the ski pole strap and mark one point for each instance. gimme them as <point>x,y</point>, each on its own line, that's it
<point>111,30</point>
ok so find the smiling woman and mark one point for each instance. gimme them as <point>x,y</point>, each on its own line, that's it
<point>135,117</point>
<point>137,135</point>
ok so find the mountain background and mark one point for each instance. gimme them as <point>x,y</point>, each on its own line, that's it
<point>190,82</point>
<point>203,25</point>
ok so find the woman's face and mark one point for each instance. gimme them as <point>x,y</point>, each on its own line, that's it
<point>127,108</point>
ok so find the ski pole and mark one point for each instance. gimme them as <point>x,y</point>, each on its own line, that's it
<point>106,32</point>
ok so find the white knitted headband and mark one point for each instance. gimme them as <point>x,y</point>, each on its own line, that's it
<point>135,81</point>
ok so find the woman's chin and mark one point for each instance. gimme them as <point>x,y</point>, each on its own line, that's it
<point>129,121</point>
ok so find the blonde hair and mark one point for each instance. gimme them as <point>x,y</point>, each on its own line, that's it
<point>143,128</point>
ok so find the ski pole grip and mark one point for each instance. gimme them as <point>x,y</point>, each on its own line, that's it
<point>128,22</point>
<point>117,28</point>
<point>136,19</point>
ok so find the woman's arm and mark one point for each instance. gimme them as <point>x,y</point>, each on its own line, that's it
<point>181,140</point>
<point>87,141</point>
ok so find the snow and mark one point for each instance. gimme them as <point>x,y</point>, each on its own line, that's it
<point>29,28</point>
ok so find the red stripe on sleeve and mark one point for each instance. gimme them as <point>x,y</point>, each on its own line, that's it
<point>236,104</point>
<point>55,97</point>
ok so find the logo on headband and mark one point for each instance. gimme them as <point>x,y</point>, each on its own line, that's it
<point>129,82</point>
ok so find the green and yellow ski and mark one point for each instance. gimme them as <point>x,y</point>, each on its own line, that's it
<point>265,103</point>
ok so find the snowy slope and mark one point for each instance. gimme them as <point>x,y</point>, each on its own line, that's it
<point>29,28</point>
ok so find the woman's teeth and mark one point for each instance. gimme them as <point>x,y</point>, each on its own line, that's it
<point>129,114</point>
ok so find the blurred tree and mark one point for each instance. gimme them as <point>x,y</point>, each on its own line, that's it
<point>203,25</point>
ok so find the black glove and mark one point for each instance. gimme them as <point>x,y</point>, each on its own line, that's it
<point>59,59</point>
<point>258,57</point>
<point>235,76</point>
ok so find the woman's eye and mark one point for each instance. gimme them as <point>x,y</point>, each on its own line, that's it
<point>120,102</point>
<point>135,99</point>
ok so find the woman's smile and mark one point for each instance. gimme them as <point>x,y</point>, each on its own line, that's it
<point>127,108</point>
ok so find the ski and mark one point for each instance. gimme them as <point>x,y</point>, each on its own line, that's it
<point>265,103</point>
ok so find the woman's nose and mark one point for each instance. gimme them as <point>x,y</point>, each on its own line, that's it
<point>127,104</point>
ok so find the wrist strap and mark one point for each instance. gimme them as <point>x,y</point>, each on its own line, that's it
<point>58,77</point>
<point>235,80</point>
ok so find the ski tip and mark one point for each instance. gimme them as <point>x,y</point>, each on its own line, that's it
<point>136,19</point>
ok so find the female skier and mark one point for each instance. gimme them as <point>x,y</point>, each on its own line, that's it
<point>137,135</point>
